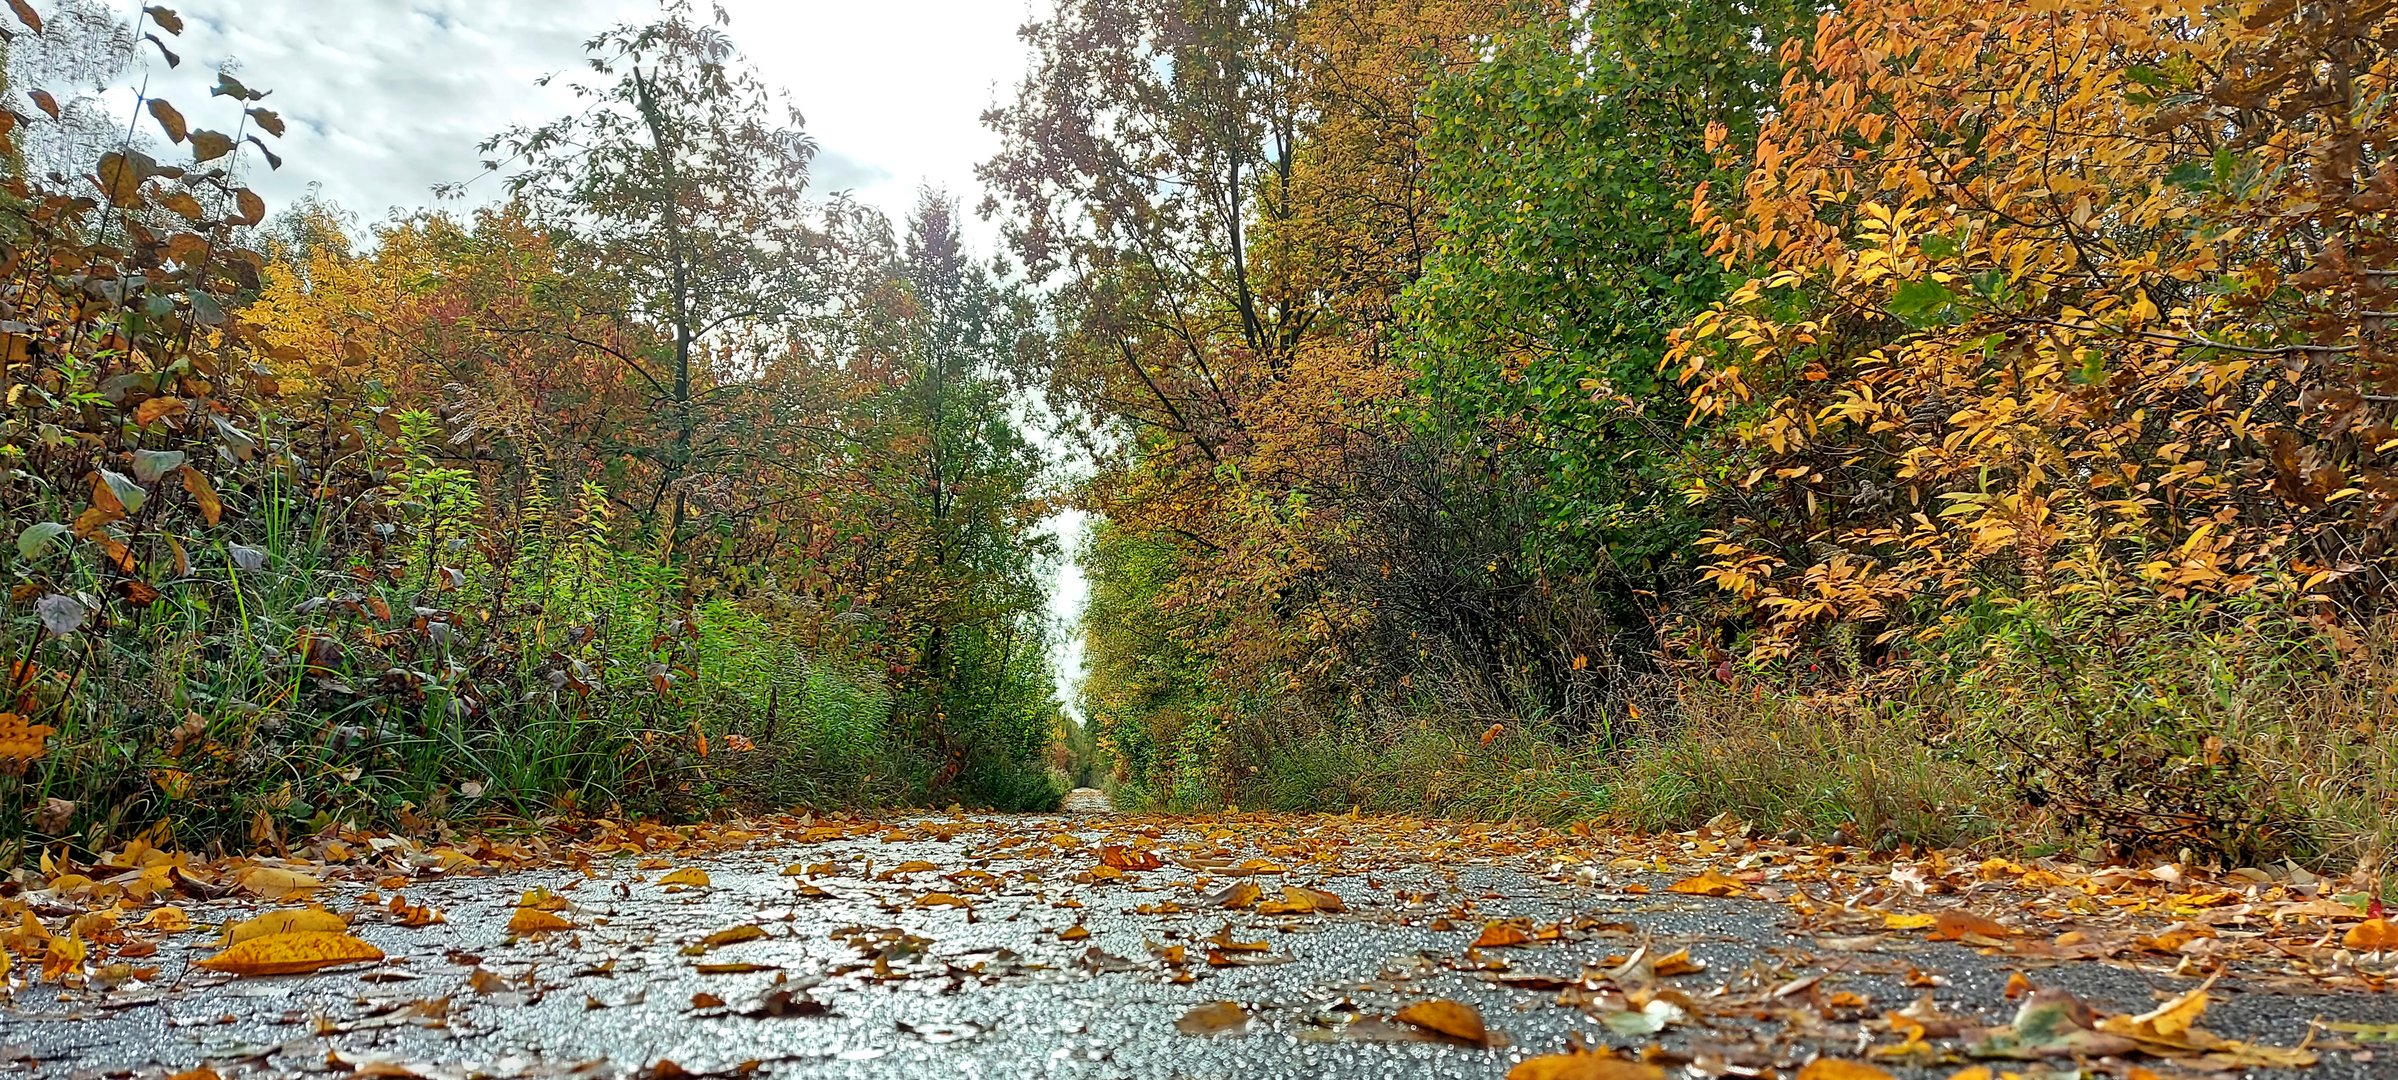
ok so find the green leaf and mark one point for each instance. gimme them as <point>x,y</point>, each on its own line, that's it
<point>127,491</point>
<point>40,539</point>
<point>149,465</point>
<point>1920,302</point>
<point>2191,175</point>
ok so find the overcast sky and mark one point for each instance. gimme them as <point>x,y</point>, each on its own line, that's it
<point>386,98</point>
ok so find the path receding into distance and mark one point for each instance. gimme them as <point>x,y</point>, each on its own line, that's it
<point>1092,944</point>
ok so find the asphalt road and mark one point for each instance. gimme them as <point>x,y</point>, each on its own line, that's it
<point>854,979</point>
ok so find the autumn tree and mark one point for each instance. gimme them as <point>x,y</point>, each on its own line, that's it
<point>926,521</point>
<point>2075,299</point>
<point>677,189</point>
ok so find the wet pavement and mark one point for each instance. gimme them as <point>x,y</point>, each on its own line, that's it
<point>966,947</point>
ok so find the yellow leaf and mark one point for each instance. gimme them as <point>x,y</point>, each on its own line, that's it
<point>1892,920</point>
<point>2171,1022</point>
<point>690,876</point>
<point>529,920</point>
<point>732,936</point>
<point>292,954</point>
<point>942,899</point>
<point>1454,1019</point>
<point>300,921</point>
<point>275,883</point>
<point>167,920</point>
<point>1299,901</point>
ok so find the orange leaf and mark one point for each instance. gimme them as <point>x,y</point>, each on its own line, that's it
<point>1242,894</point>
<point>1955,925</point>
<point>1456,1020</point>
<point>732,936</point>
<point>1123,858</point>
<point>1836,1069</point>
<point>1501,935</point>
<point>203,495</point>
<point>1707,884</point>
<point>536,921</point>
<point>1211,1018</point>
<point>1299,901</point>
<point>1583,1067</point>
<point>2371,935</point>
<point>1677,962</point>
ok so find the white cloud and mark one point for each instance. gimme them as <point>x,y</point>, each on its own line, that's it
<point>386,98</point>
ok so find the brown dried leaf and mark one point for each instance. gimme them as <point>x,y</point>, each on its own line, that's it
<point>1213,1018</point>
<point>1454,1019</point>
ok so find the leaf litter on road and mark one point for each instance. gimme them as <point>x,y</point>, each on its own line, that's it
<point>1202,899</point>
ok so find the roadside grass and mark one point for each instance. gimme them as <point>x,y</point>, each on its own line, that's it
<point>2118,729</point>
<point>468,664</point>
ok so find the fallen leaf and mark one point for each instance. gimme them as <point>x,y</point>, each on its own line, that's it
<point>1242,894</point>
<point>688,877</point>
<point>2051,1023</point>
<point>1707,884</point>
<point>732,936</point>
<point>1660,1013</point>
<point>292,954</point>
<point>1583,1067</point>
<point>1677,962</point>
<point>530,920</point>
<point>2372,935</point>
<point>2170,1022</point>
<point>1299,901</point>
<point>275,883</point>
<point>783,1001</point>
<point>942,899</point>
<point>167,920</point>
<point>1954,925</point>
<point>2364,1033</point>
<point>297,921</point>
<point>1123,858</point>
<point>1837,1069</point>
<point>1502,935</point>
<point>1454,1019</point>
<point>1212,1018</point>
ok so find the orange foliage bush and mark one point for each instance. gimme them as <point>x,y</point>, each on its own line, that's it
<point>2059,298</point>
